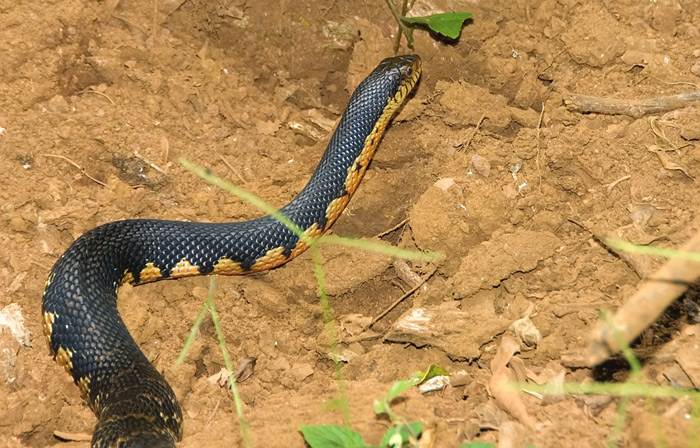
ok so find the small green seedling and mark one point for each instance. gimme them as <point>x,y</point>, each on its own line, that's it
<point>448,24</point>
<point>399,435</point>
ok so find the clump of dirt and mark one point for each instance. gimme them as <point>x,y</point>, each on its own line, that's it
<point>487,163</point>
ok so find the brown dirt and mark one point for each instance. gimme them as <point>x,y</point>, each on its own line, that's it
<point>109,83</point>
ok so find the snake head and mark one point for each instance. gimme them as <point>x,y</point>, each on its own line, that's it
<point>401,72</point>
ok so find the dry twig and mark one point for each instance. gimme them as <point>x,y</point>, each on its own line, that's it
<point>400,299</point>
<point>75,165</point>
<point>650,300</point>
<point>633,108</point>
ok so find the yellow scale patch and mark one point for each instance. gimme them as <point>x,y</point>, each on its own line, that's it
<point>49,319</point>
<point>336,207</point>
<point>64,358</point>
<point>271,259</point>
<point>301,246</point>
<point>184,269</point>
<point>226,266</point>
<point>128,277</point>
<point>48,281</point>
<point>152,273</point>
<point>275,257</point>
<point>84,385</point>
<point>149,273</point>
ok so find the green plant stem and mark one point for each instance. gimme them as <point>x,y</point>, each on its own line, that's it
<point>612,389</point>
<point>193,333</point>
<point>227,362</point>
<point>654,411</point>
<point>380,248</point>
<point>330,331</point>
<point>619,424</point>
<point>650,250</point>
<point>404,9</point>
<point>402,26</point>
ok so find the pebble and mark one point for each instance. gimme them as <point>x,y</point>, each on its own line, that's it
<point>58,104</point>
<point>695,69</point>
<point>481,165</point>
<point>17,224</point>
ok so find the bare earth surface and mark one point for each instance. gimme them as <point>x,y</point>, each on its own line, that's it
<point>485,164</point>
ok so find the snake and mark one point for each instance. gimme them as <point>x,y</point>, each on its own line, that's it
<point>134,404</point>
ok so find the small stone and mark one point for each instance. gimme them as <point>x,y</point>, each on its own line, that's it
<point>17,224</point>
<point>691,131</point>
<point>300,372</point>
<point>58,104</point>
<point>526,331</point>
<point>695,69</point>
<point>445,183</point>
<point>481,165</point>
<point>434,384</point>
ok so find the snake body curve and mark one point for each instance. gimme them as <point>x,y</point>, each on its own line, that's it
<point>134,404</point>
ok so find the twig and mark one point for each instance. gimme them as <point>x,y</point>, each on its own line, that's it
<point>97,92</point>
<point>612,184</point>
<point>151,164</point>
<point>466,144</point>
<point>396,227</point>
<point>633,108</point>
<point>537,143</point>
<point>75,165</point>
<point>72,436</point>
<point>650,300</point>
<point>234,170</point>
<point>211,415</point>
<point>601,236</point>
<point>399,300</point>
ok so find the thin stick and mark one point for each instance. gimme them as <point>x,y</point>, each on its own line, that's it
<point>75,165</point>
<point>466,144</point>
<point>399,300</point>
<point>602,236</point>
<point>633,108</point>
<point>96,92</point>
<point>537,143</point>
<point>650,300</point>
<point>233,170</point>
<point>151,164</point>
<point>612,184</point>
<point>388,231</point>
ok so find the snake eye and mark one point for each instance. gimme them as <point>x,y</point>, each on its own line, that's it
<point>409,71</point>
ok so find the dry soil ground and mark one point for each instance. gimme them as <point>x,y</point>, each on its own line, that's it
<point>485,164</point>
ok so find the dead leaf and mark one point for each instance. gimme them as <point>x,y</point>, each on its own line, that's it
<point>508,398</point>
<point>245,369</point>
<point>661,145</point>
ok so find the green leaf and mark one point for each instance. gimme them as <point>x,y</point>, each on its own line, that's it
<point>401,433</point>
<point>433,371</point>
<point>331,436</point>
<point>398,388</point>
<point>448,24</point>
<point>478,445</point>
<point>382,406</point>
